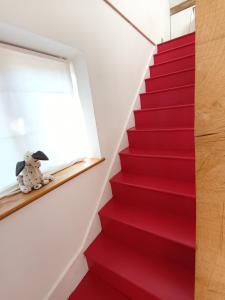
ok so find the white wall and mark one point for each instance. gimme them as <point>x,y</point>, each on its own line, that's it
<point>151,17</point>
<point>41,244</point>
<point>182,22</point>
<point>41,240</point>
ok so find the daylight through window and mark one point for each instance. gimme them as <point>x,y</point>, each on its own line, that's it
<point>40,109</point>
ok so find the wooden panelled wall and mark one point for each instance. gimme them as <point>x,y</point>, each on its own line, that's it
<point>210,149</point>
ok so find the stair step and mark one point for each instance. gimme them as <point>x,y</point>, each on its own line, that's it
<point>146,250</point>
<point>144,163</point>
<point>170,80</point>
<point>174,65</point>
<point>174,53</point>
<point>180,95</point>
<point>92,287</point>
<point>181,116</point>
<point>174,43</point>
<point>139,276</point>
<point>163,185</point>
<point>178,139</point>
<point>150,230</point>
<point>177,197</point>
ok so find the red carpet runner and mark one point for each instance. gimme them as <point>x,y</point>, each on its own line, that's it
<point>146,250</point>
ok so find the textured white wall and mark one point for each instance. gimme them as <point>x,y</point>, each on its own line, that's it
<point>182,23</point>
<point>150,16</point>
<point>41,244</point>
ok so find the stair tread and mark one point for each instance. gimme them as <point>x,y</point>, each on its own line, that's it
<point>170,73</point>
<point>175,48</point>
<point>176,228</point>
<point>177,38</point>
<point>163,108</point>
<point>94,288</point>
<point>169,89</point>
<point>181,154</point>
<point>171,60</point>
<point>158,184</point>
<point>156,275</point>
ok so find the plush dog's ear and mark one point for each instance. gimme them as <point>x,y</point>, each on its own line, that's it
<point>39,155</point>
<point>19,167</point>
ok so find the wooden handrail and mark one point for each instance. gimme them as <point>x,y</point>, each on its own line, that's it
<point>184,5</point>
<point>129,22</point>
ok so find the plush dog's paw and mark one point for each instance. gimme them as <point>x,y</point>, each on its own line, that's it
<point>37,186</point>
<point>50,177</point>
<point>25,189</point>
<point>47,179</point>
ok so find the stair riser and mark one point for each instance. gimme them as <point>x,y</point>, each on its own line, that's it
<point>180,117</point>
<point>176,43</point>
<point>170,81</point>
<point>178,65</point>
<point>170,168</point>
<point>92,287</point>
<point>173,54</point>
<point>120,283</point>
<point>161,140</point>
<point>171,97</point>
<point>151,199</point>
<point>147,242</point>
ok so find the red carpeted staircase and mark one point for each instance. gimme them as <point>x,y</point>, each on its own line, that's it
<point>146,250</point>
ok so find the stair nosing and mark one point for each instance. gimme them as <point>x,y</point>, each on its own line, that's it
<point>163,108</point>
<point>134,129</point>
<point>169,74</point>
<point>157,156</point>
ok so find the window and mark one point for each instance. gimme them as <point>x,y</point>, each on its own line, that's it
<point>40,109</point>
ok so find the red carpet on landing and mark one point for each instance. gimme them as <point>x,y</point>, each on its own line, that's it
<point>146,250</point>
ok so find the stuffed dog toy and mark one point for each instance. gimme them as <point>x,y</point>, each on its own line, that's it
<point>31,177</point>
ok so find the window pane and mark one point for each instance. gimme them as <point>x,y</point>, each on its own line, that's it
<point>39,110</point>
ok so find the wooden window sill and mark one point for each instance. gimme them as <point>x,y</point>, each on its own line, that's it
<point>16,202</point>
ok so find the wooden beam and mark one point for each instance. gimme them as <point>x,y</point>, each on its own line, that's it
<point>210,149</point>
<point>184,5</point>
